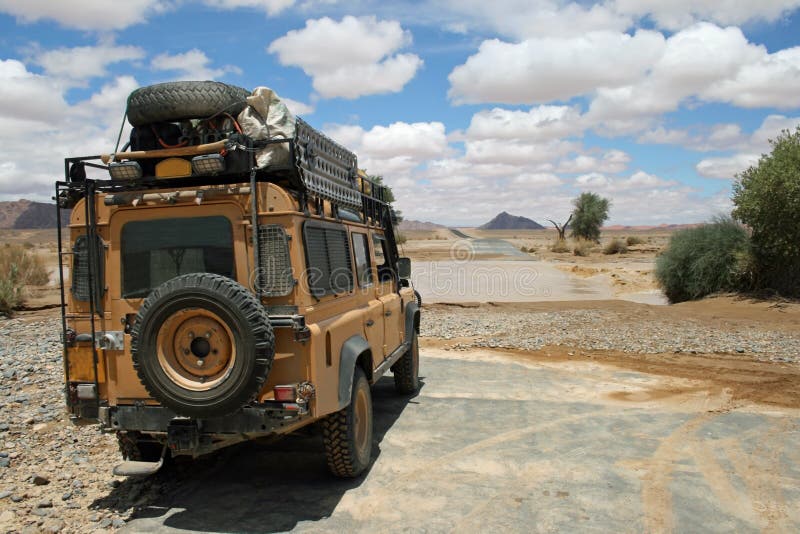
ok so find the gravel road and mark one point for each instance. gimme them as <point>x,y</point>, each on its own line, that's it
<point>625,327</point>
<point>53,476</point>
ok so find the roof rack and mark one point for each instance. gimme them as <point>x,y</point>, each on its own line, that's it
<point>318,169</point>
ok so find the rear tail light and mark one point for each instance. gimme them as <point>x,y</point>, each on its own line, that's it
<point>285,393</point>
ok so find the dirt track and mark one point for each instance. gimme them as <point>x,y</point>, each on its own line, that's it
<point>512,442</point>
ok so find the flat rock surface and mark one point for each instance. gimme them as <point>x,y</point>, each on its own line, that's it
<point>516,443</point>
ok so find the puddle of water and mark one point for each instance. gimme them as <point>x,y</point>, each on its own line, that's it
<point>503,281</point>
<point>512,281</point>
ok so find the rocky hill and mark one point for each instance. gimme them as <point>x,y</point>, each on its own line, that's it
<point>506,221</point>
<point>26,214</point>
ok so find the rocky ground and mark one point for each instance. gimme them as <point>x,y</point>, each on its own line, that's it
<point>54,477</point>
<point>624,327</point>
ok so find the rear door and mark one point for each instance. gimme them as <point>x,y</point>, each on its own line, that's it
<point>387,294</point>
<point>365,273</point>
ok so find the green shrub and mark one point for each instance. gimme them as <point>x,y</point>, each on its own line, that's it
<point>615,246</point>
<point>591,211</point>
<point>711,258</point>
<point>767,199</point>
<point>19,268</point>
<point>401,238</point>
<point>560,246</point>
<point>634,240</point>
<point>582,247</point>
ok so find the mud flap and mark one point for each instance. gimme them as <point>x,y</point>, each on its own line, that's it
<point>129,468</point>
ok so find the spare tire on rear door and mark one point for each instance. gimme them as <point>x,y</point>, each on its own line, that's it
<point>202,345</point>
<point>175,101</point>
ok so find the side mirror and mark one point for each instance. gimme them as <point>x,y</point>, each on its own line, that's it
<point>404,268</point>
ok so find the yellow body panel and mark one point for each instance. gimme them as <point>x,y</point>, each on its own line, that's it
<point>81,364</point>
<point>173,168</point>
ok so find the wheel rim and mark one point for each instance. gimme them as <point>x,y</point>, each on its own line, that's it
<point>363,424</point>
<point>196,349</point>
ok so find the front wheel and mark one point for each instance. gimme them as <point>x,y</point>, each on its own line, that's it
<point>348,433</point>
<point>406,369</point>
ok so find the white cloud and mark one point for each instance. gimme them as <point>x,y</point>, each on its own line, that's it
<point>397,148</point>
<point>726,167</point>
<point>773,80</point>
<point>537,18</point>
<point>553,68</point>
<point>28,96</point>
<point>84,14</point>
<point>517,152</point>
<point>612,162</point>
<point>87,127</point>
<point>593,180</point>
<point>678,14</point>
<point>298,108</point>
<point>537,124</point>
<point>193,64</point>
<point>706,63</point>
<point>84,62</point>
<point>637,181</point>
<point>350,58</point>
<point>271,7</point>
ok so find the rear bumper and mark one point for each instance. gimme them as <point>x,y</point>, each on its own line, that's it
<point>260,419</point>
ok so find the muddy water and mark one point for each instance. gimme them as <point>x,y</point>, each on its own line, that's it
<point>512,281</point>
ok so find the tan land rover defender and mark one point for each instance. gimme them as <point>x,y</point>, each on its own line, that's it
<point>230,275</point>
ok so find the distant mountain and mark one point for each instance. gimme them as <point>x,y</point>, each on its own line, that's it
<point>408,224</point>
<point>26,214</point>
<point>506,221</point>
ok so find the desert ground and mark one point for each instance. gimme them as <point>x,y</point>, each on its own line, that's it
<point>560,394</point>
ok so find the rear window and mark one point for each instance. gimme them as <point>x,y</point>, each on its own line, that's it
<point>158,250</point>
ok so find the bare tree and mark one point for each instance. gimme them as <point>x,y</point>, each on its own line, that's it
<point>562,230</point>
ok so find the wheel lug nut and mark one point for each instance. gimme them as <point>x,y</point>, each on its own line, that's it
<point>208,335</point>
<point>200,363</point>
<point>186,351</point>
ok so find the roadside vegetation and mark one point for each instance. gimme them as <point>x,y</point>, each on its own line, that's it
<point>711,258</point>
<point>19,267</point>
<point>615,246</point>
<point>757,248</point>
<point>591,211</point>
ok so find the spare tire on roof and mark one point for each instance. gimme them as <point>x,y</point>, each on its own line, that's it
<point>174,101</point>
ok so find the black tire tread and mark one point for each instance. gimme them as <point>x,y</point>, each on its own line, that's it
<point>238,296</point>
<point>404,372</point>
<point>173,101</point>
<point>337,434</point>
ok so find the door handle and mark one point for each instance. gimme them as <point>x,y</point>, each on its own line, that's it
<point>387,314</point>
<point>370,322</point>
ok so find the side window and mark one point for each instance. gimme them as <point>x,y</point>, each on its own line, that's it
<point>328,253</point>
<point>384,270</point>
<point>363,264</point>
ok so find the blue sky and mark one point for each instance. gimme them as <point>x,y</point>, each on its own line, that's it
<point>466,107</point>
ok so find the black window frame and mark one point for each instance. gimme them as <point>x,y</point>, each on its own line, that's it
<point>385,270</point>
<point>365,242</point>
<point>317,289</point>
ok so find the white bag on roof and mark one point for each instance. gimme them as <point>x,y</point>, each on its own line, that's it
<point>266,117</point>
